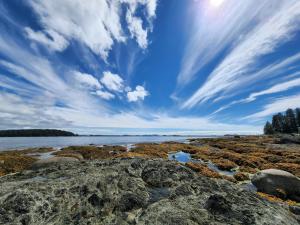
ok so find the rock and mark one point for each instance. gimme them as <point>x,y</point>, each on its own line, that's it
<point>288,139</point>
<point>217,204</point>
<point>278,183</point>
<point>130,191</point>
<point>54,160</point>
<point>295,209</point>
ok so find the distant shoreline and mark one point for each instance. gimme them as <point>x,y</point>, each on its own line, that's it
<point>36,133</point>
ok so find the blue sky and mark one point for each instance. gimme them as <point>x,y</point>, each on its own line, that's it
<point>148,66</point>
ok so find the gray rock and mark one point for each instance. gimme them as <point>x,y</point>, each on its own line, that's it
<point>50,161</point>
<point>288,139</point>
<point>277,182</point>
<point>130,191</point>
<point>295,209</point>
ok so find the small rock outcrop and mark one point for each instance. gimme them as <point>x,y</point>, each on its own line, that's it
<point>277,182</point>
<point>130,191</point>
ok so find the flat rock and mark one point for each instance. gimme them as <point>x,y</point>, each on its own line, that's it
<point>54,160</point>
<point>130,191</point>
<point>277,182</point>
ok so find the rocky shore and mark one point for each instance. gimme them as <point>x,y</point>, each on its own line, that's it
<point>149,184</point>
<point>130,191</point>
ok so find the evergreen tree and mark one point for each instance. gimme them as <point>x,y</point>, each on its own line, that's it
<point>290,125</point>
<point>278,123</point>
<point>268,129</point>
<point>298,116</point>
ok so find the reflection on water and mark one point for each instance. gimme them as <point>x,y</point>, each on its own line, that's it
<point>184,157</point>
<point>180,157</point>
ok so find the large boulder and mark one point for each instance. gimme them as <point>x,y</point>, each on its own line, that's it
<point>278,183</point>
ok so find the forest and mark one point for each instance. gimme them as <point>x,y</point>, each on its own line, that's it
<point>35,133</point>
<point>284,123</point>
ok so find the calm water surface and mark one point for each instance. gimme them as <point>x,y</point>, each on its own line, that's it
<point>7,143</point>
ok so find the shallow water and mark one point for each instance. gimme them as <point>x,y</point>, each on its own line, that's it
<point>180,157</point>
<point>213,167</point>
<point>184,157</point>
<point>7,143</point>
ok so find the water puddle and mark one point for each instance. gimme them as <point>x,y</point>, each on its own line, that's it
<point>184,157</point>
<point>181,157</point>
<point>129,147</point>
<point>213,167</point>
<point>46,155</point>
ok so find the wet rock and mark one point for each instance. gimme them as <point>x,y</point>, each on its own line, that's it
<point>154,192</point>
<point>295,209</point>
<point>95,201</point>
<point>278,183</point>
<point>218,204</point>
<point>130,201</point>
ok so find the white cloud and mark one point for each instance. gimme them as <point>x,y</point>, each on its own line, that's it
<point>131,120</point>
<point>87,79</point>
<point>138,94</point>
<point>112,81</point>
<point>135,26</point>
<point>104,94</point>
<point>212,32</point>
<point>278,105</point>
<point>150,5</point>
<point>234,72</point>
<point>11,103</point>
<point>56,42</point>
<point>273,70</point>
<point>40,80</point>
<point>97,23</point>
<point>275,89</point>
<point>57,103</point>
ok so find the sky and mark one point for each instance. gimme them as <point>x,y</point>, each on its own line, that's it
<point>148,66</point>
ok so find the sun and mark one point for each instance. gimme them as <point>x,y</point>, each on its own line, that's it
<point>216,3</point>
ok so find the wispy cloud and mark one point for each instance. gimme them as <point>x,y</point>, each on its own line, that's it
<point>64,21</point>
<point>276,106</point>
<point>275,89</point>
<point>214,30</point>
<point>235,70</point>
<point>104,94</point>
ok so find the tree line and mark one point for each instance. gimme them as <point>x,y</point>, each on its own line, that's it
<point>285,123</point>
<point>35,133</point>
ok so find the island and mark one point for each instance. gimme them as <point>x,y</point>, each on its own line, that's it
<point>35,133</point>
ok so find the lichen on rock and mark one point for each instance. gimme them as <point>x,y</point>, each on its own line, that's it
<point>130,191</point>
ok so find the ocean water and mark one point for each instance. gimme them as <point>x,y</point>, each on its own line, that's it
<point>10,143</point>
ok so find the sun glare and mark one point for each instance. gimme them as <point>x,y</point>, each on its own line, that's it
<point>216,3</point>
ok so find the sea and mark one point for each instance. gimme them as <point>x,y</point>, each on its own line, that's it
<point>13,143</point>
